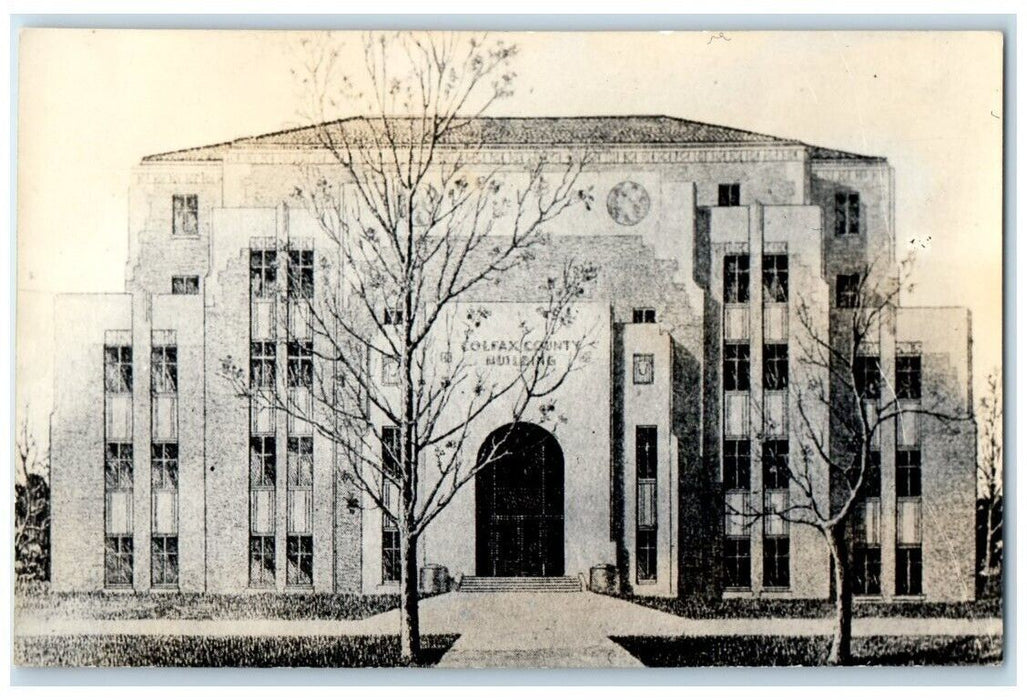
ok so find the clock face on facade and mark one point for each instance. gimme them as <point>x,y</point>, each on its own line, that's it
<point>627,203</point>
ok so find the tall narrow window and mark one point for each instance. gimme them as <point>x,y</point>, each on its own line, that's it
<point>872,477</point>
<point>867,568</point>
<point>299,554</point>
<point>907,473</point>
<point>185,209</point>
<point>263,273</point>
<point>867,371</point>
<point>846,291</point>
<point>164,560</point>
<point>907,376</point>
<point>909,566</point>
<point>262,365</point>
<point>301,363</point>
<point>736,465</point>
<point>775,278</point>
<point>391,473</point>
<point>262,560</point>
<point>646,461</point>
<point>846,213</point>
<point>118,369</point>
<point>164,369</point>
<point>262,461</point>
<point>776,567</point>
<point>118,561</point>
<point>118,477</point>
<point>775,366</point>
<point>164,518</point>
<point>775,465</point>
<point>737,562</point>
<point>736,367</point>
<point>301,274</point>
<point>736,279</point>
<point>729,194</point>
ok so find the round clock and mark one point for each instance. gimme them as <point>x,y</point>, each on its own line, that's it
<point>627,203</point>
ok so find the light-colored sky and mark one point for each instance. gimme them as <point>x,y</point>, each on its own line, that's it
<point>92,103</point>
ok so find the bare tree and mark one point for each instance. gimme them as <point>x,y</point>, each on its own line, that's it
<point>420,231</point>
<point>842,402</point>
<point>31,507</point>
<point>989,485</point>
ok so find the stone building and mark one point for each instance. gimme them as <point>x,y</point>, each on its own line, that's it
<point>709,244</point>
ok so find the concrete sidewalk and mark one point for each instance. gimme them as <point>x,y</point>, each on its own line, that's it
<point>522,629</point>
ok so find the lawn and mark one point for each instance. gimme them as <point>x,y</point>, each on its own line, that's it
<point>755,650</point>
<point>764,607</point>
<point>39,603</point>
<point>195,651</point>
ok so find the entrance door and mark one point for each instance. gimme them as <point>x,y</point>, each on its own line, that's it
<point>519,500</point>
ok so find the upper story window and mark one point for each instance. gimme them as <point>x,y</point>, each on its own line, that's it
<point>872,476</point>
<point>907,473</point>
<point>775,465</point>
<point>117,366</point>
<point>301,363</point>
<point>301,274</point>
<point>185,218</point>
<point>392,317</point>
<point>736,279</point>
<point>263,273</point>
<point>729,194</point>
<point>188,284</point>
<point>645,452</point>
<point>775,278</point>
<point>262,365</point>
<point>164,369</point>
<point>867,372</point>
<point>642,370</point>
<point>846,213</point>
<point>775,366</point>
<point>736,465</point>
<point>643,315</point>
<point>262,461</point>
<point>846,291</point>
<point>907,376</point>
<point>736,367</point>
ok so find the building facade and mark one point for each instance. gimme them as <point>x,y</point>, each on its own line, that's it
<point>714,248</point>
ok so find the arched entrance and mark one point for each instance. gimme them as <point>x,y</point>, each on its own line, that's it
<point>519,504</point>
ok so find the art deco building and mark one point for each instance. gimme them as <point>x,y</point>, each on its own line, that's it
<point>709,242</point>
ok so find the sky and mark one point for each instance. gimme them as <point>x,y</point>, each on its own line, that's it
<point>92,103</point>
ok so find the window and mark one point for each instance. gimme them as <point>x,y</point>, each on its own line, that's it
<point>117,561</point>
<point>728,194</point>
<point>775,465</point>
<point>301,274</point>
<point>185,285</point>
<point>775,366</point>
<point>391,450</point>
<point>301,363</point>
<point>644,315</point>
<point>301,461</point>
<point>392,317</point>
<point>390,551</point>
<point>736,279</point>
<point>645,558</point>
<point>164,561</point>
<point>867,371</point>
<point>737,562</point>
<point>775,278</point>
<point>866,564</point>
<point>907,376</point>
<point>164,369</point>
<point>736,367</point>
<point>390,371</point>
<point>299,557</point>
<point>262,365</point>
<point>118,466</point>
<point>736,465</point>
<point>872,477</point>
<point>643,369</point>
<point>262,560</point>
<point>909,565</point>
<point>263,273</point>
<point>646,462</point>
<point>846,291</point>
<point>846,213</point>
<point>907,473</point>
<point>262,462</point>
<point>775,562</point>
<point>185,215</point>
<point>117,366</point>
<point>164,465</point>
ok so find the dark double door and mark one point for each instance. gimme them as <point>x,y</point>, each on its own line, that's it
<point>519,504</point>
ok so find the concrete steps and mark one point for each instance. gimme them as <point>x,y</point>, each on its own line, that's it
<point>519,584</point>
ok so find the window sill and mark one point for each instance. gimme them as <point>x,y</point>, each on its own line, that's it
<point>185,236</point>
<point>164,588</point>
<point>646,582</point>
<point>909,598</point>
<point>776,589</point>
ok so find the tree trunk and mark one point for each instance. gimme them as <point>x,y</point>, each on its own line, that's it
<point>410,618</point>
<point>841,645</point>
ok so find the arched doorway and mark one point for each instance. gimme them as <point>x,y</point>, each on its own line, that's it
<point>519,504</point>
